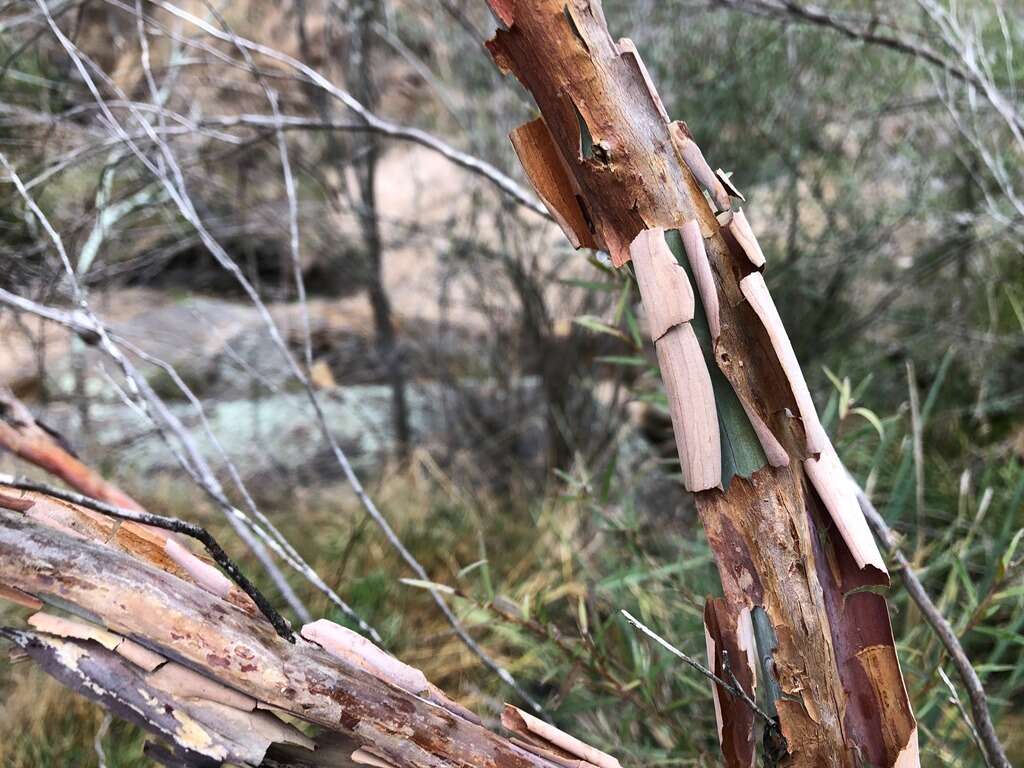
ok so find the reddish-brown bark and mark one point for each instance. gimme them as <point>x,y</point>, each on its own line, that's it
<point>778,547</point>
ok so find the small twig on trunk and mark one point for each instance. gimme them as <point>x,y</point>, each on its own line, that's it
<point>734,690</point>
<point>174,525</point>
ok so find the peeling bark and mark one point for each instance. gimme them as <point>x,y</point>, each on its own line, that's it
<point>557,744</point>
<point>204,676</point>
<point>787,544</point>
<point>664,287</point>
<point>730,654</point>
<point>543,166</point>
<point>740,229</point>
<point>691,403</point>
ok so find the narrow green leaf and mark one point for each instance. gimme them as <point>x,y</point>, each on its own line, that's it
<point>589,285</point>
<point>421,584</point>
<point>872,418</point>
<point>637,362</point>
<point>591,323</point>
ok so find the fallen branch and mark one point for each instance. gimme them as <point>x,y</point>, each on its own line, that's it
<point>209,679</point>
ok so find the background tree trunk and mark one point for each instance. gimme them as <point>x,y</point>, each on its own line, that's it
<point>366,153</point>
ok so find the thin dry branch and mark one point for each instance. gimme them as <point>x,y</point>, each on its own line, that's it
<point>995,754</point>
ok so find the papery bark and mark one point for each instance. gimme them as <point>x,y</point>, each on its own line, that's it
<point>800,560</point>
<point>204,676</point>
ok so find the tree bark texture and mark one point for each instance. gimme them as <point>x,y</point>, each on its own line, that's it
<point>790,542</point>
<point>205,676</point>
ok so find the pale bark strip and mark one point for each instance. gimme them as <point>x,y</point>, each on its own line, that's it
<point>691,403</point>
<point>664,287</point>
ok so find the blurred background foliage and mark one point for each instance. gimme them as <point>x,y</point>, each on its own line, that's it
<point>494,387</point>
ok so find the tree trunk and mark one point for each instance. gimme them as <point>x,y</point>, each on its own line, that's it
<point>367,153</point>
<point>797,562</point>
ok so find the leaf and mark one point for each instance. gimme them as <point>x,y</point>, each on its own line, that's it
<point>592,323</point>
<point>471,567</point>
<point>421,584</point>
<point>1007,557</point>
<point>589,285</point>
<point>637,361</point>
<point>634,329</point>
<point>871,418</point>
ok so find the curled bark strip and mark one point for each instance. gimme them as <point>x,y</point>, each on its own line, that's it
<point>756,292</point>
<point>139,655</point>
<point>910,755</point>
<point>182,682</point>
<point>353,648</point>
<point>899,729</point>
<point>664,287</point>
<point>740,229</point>
<point>546,171</point>
<point>697,256</point>
<point>838,494</point>
<point>747,642</point>
<point>203,574</point>
<point>534,730</point>
<point>777,455</point>
<point>726,179</point>
<point>74,629</point>
<point>369,756</point>
<point>630,53</point>
<point>712,649</point>
<point>699,167</point>
<point>71,628</point>
<point>349,646</point>
<point>732,655</point>
<point>691,403</point>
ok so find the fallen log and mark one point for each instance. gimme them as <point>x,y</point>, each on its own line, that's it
<point>211,681</point>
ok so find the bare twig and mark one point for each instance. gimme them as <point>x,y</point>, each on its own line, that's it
<point>733,690</point>
<point>172,524</point>
<point>378,124</point>
<point>993,750</point>
<point>866,29</point>
<point>172,179</point>
<point>954,699</point>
